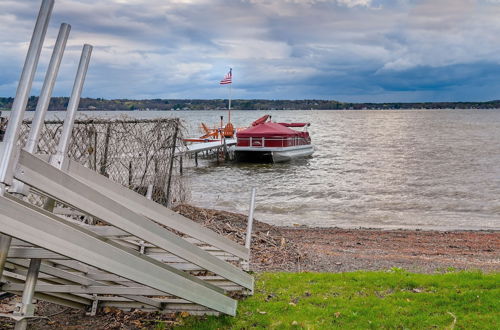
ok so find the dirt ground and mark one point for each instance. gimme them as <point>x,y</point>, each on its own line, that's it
<point>341,250</point>
<point>300,249</point>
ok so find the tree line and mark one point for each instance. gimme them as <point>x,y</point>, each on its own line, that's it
<point>61,103</point>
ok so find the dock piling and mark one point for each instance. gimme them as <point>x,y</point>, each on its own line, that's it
<point>26,308</point>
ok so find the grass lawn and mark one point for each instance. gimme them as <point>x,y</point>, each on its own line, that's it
<point>363,300</point>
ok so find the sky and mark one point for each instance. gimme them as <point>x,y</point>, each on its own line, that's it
<point>346,50</point>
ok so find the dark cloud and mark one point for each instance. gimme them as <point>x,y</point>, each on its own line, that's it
<point>351,50</point>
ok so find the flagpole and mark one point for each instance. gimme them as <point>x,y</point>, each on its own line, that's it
<point>229,108</point>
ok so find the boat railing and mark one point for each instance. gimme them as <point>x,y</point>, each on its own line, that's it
<point>276,142</point>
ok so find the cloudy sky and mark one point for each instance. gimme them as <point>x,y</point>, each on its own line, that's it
<point>347,50</point>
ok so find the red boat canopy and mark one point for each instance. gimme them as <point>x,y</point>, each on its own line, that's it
<point>268,129</point>
<point>294,124</point>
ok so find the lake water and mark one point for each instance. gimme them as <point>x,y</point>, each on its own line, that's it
<point>429,169</point>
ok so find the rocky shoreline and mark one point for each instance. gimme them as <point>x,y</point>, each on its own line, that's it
<point>342,250</point>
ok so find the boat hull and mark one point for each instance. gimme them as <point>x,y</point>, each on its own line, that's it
<point>272,155</point>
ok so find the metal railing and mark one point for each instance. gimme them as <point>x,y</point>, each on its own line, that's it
<point>264,142</point>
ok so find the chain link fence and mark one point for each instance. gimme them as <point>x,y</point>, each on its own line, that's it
<point>134,153</point>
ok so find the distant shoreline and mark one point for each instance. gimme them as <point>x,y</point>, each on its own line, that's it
<point>163,110</point>
<point>99,104</point>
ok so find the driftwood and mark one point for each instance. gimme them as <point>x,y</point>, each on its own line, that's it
<point>270,249</point>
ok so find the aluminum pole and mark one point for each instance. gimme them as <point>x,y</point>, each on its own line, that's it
<point>48,86</point>
<point>149,195</point>
<point>9,144</point>
<point>248,237</point>
<point>8,147</point>
<point>26,307</point>
<point>149,192</point>
<point>44,99</point>
<point>74,101</point>
<point>4,251</point>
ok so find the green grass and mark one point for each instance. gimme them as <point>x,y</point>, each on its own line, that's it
<point>364,300</point>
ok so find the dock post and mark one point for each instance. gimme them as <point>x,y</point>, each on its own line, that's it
<point>4,250</point>
<point>248,237</point>
<point>26,307</point>
<point>8,146</point>
<point>226,154</point>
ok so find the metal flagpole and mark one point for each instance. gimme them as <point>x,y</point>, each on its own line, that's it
<point>230,90</point>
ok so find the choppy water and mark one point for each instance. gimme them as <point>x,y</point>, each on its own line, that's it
<point>432,169</point>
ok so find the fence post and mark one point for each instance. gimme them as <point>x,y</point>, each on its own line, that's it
<point>248,237</point>
<point>130,174</point>
<point>172,156</point>
<point>104,160</point>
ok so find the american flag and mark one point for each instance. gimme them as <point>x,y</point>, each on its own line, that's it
<point>228,78</point>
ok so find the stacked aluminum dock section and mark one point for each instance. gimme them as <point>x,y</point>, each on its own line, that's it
<point>142,255</point>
